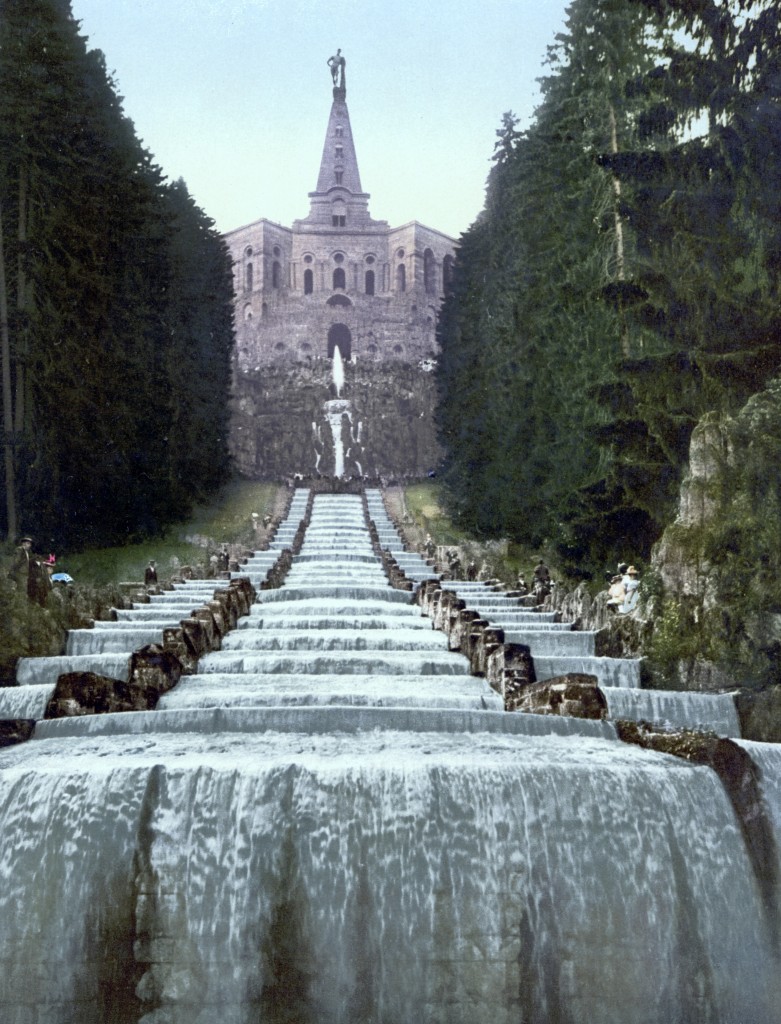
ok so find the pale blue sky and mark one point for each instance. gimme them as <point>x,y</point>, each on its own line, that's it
<point>234,95</point>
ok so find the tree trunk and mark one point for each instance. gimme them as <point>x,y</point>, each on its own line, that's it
<point>8,417</point>
<point>21,304</point>
<point>619,229</point>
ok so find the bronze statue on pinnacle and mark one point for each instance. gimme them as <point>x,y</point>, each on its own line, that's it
<point>337,64</point>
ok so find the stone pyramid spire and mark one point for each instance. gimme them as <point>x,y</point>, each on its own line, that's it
<point>339,164</point>
<point>339,200</point>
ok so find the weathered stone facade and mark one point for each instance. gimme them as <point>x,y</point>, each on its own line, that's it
<point>335,279</point>
<point>282,323</point>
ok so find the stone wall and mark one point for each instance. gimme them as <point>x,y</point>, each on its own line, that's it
<point>279,427</point>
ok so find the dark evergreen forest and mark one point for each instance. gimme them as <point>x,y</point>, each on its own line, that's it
<point>623,280</point>
<point>115,304</point>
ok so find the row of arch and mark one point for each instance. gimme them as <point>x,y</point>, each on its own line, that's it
<point>339,281</point>
<point>339,277</point>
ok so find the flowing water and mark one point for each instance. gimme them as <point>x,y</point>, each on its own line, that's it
<point>333,823</point>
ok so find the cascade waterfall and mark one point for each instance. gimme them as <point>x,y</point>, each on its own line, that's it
<point>333,822</point>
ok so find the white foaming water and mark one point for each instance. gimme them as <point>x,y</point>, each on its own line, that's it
<point>25,701</point>
<point>338,371</point>
<point>348,859</point>
<point>712,712</point>
<point>334,412</point>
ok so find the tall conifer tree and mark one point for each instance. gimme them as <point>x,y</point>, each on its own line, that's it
<point>97,291</point>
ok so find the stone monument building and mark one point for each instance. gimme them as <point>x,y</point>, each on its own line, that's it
<point>336,279</point>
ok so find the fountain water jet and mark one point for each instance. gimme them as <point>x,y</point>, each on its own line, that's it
<point>338,371</point>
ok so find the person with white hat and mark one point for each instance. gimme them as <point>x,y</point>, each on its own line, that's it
<point>631,584</point>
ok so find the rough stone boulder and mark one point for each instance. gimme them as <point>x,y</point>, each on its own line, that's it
<point>509,670</point>
<point>461,626</point>
<point>275,577</point>
<point>154,670</point>
<point>481,642</point>
<point>86,693</point>
<point>574,695</point>
<point>15,730</point>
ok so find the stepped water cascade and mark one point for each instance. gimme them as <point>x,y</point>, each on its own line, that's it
<point>333,822</point>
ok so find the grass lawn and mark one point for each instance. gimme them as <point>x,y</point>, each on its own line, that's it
<point>504,559</point>
<point>227,520</point>
<point>424,506</point>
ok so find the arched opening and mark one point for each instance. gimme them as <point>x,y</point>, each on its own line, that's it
<point>340,280</point>
<point>370,282</point>
<point>309,282</point>
<point>401,278</point>
<point>429,282</point>
<point>338,300</point>
<point>339,335</point>
<point>276,274</point>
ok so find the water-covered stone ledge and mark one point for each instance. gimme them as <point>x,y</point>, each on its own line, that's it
<point>740,777</point>
<point>155,668</point>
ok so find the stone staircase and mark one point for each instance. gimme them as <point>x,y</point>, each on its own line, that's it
<point>106,648</point>
<point>337,633</point>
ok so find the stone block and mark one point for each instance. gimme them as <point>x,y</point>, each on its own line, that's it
<point>574,695</point>
<point>487,640</point>
<point>473,637</point>
<point>154,670</point>
<point>174,642</point>
<point>195,636</point>
<point>218,617</point>
<point>213,635</point>
<point>460,626</point>
<point>86,693</point>
<point>15,730</point>
<point>509,669</point>
<point>229,607</point>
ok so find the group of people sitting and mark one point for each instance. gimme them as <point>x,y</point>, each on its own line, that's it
<point>623,592</point>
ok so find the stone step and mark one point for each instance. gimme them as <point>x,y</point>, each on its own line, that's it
<point>255,690</point>
<point>40,671</point>
<point>334,640</point>
<point>336,662</point>
<point>621,672</point>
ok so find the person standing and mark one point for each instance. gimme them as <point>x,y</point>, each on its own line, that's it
<point>20,566</point>
<point>150,574</point>
<point>542,580</point>
<point>631,584</point>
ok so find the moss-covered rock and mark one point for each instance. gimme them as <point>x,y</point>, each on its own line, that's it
<point>719,623</point>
